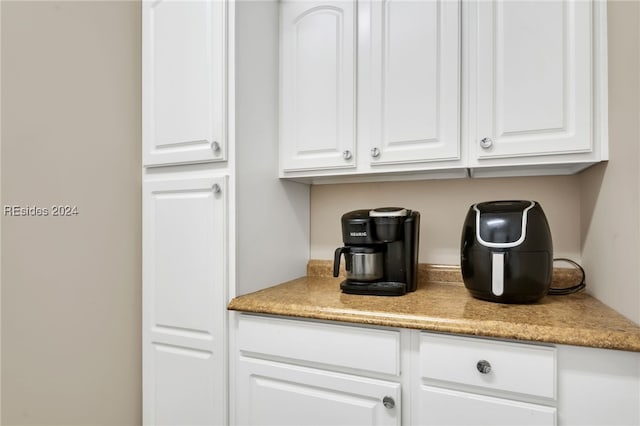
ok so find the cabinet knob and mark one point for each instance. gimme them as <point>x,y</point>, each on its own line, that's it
<point>347,155</point>
<point>375,152</point>
<point>483,366</point>
<point>215,146</point>
<point>486,143</point>
<point>216,188</point>
<point>388,402</point>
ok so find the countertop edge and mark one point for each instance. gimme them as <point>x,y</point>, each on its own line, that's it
<point>487,328</point>
<point>577,320</point>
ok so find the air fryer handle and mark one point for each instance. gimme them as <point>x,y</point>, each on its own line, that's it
<point>497,273</point>
<point>336,260</point>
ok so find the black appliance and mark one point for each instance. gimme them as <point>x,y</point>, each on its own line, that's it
<point>506,252</point>
<point>380,251</point>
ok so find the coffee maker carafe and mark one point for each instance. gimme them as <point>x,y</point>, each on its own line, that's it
<point>380,251</point>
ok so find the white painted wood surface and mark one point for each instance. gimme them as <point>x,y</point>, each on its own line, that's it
<point>532,79</point>
<point>434,79</point>
<point>265,228</point>
<point>184,277</point>
<point>184,86</point>
<point>444,407</point>
<point>280,394</point>
<point>308,342</point>
<point>530,384</point>
<point>318,66</point>
<point>525,369</point>
<point>415,73</point>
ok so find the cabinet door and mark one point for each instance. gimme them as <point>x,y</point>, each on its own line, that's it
<point>184,298</point>
<point>530,79</point>
<point>598,387</point>
<point>277,394</point>
<point>443,407</point>
<point>415,74</point>
<point>317,72</point>
<point>183,81</point>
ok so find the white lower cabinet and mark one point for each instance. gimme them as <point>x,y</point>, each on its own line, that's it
<point>439,406</point>
<point>303,372</point>
<point>281,394</point>
<point>465,381</point>
<point>308,373</point>
<point>184,287</point>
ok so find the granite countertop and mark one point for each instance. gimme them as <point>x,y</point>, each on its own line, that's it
<point>442,304</point>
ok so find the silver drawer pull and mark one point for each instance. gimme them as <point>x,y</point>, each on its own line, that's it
<point>483,366</point>
<point>347,155</point>
<point>486,143</point>
<point>388,402</point>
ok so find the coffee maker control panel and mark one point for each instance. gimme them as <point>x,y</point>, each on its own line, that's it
<point>357,228</point>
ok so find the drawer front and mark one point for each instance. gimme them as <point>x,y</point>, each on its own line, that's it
<point>444,407</point>
<point>331,345</point>
<point>511,367</point>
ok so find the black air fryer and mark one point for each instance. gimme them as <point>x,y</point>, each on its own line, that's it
<point>506,252</point>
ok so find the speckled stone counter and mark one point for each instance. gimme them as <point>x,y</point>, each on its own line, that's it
<point>441,303</point>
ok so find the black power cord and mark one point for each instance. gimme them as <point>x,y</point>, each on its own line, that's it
<point>569,290</point>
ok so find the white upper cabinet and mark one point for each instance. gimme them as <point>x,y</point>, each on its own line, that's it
<point>317,85</point>
<point>369,86</point>
<point>415,80</point>
<point>184,82</point>
<point>531,82</point>
<point>495,87</point>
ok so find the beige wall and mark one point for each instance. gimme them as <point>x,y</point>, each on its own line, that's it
<point>0,219</point>
<point>443,205</point>
<point>593,215</point>
<point>610,193</point>
<point>71,286</point>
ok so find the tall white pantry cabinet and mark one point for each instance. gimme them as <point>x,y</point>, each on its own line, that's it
<point>210,191</point>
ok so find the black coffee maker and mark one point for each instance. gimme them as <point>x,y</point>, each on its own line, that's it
<point>380,251</point>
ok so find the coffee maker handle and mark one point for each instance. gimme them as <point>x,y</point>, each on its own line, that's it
<point>336,260</point>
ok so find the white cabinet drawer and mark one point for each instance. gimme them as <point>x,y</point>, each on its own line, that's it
<point>444,407</point>
<point>525,369</point>
<point>357,348</point>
